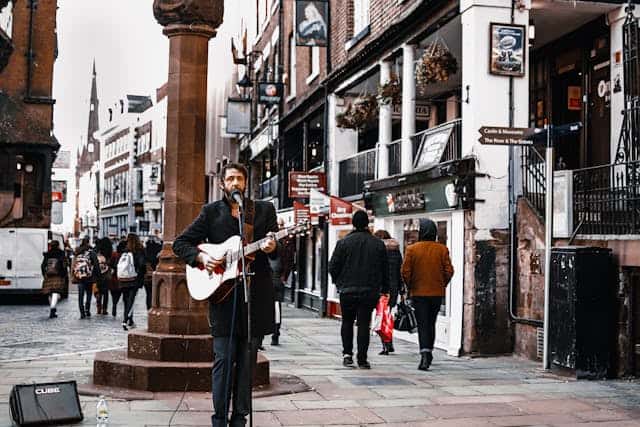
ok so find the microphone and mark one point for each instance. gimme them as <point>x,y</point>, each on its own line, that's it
<point>236,196</point>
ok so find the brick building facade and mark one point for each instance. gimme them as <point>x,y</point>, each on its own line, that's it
<point>28,50</point>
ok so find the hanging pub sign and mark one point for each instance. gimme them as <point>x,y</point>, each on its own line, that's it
<point>238,115</point>
<point>300,183</point>
<point>311,23</point>
<point>270,93</point>
<point>507,49</point>
<point>59,191</point>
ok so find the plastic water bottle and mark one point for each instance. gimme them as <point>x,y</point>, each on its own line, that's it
<point>102,413</point>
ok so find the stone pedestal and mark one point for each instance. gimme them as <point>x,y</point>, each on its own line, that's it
<point>176,352</point>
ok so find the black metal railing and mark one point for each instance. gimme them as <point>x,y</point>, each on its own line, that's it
<point>268,188</point>
<point>355,170</point>
<point>533,178</point>
<point>606,199</point>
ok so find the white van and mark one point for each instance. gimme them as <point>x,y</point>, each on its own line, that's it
<point>21,254</point>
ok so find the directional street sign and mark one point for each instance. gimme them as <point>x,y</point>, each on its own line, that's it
<point>494,135</point>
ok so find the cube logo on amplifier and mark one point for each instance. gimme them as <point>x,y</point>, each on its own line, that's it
<point>48,390</point>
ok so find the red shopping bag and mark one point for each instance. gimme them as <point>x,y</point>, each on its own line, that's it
<point>383,324</point>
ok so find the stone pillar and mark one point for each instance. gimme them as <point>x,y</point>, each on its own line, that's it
<point>176,352</point>
<point>384,127</point>
<point>408,107</point>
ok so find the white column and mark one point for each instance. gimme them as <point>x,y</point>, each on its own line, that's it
<point>489,106</point>
<point>408,107</point>
<point>384,126</point>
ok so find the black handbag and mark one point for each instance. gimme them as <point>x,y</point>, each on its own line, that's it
<point>405,319</point>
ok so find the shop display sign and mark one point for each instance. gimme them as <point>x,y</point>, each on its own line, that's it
<point>270,93</point>
<point>411,199</point>
<point>340,211</point>
<point>59,191</point>
<point>301,212</point>
<point>311,23</point>
<point>432,147</point>
<point>574,98</point>
<point>238,116</point>
<point>301,183</point>
<point>507,50</point>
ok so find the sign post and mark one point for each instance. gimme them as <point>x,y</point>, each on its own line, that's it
<point>494,135</point>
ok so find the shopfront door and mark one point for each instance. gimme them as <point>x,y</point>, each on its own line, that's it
<point>598,111</point>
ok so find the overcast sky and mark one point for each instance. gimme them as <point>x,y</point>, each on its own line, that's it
<point>131,56</point>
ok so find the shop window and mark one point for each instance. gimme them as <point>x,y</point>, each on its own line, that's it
<point>6,19</point>
<point>292,66</point>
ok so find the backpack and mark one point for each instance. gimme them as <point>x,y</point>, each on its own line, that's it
<point>127,267</point>
<point>103,264</point>
<point>82,267</point>
<point>53,267</point>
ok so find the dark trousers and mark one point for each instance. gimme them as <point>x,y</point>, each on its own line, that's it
<point>242,367</point>
<point>147,290</point>
<point>102,297</point>
<point>129,297</point>
<point>115,297</point>
<point>84,297</point>
<point>356,307</point>
<point>427,309</point>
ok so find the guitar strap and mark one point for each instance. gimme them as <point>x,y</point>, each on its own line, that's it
<point>249,214</point>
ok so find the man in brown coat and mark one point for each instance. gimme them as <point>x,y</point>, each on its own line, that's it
<point>427,270</point>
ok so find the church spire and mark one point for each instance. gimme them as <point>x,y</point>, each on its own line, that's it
<point>94,123</point>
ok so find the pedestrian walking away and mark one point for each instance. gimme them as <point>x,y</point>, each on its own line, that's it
<point>114,285</point>
<point>426,270</point>
<point>360,271</point>
<point>104,251</point>
<point>151,250</point>
<point>228,319</point>
<point>84,271</point>
<point>131,269</point>
<point>396,286</point>
<point>55,275</point>
<point>280,268</point>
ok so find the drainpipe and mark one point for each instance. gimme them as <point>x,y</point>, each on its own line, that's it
<point>512,212</point>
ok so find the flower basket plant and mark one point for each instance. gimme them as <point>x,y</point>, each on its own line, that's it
<point>389,93</point>
<point>359,114</point>
<point>436,65</point>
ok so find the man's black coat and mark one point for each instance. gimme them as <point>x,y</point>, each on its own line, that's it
<point>215,225</point>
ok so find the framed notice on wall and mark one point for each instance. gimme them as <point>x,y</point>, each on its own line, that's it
<point>507,49</point>
<point>311,23</point>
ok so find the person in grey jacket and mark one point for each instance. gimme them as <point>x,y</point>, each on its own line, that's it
<point>359,269</point>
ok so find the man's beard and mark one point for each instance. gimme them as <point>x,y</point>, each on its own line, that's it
<point>227,194</point>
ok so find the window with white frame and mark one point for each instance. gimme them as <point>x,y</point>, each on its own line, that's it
<point>292,66</point>
<point>6,19</point>
<point>315,61</point>
<point>360,15</point>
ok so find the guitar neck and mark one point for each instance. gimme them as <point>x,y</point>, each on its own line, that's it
<point>255,246</point>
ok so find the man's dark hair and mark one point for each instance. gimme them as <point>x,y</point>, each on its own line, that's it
<point>238,166</point>
<point>360,220</point>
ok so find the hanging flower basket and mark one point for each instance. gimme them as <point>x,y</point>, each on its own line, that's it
<point>436,65</point>
<point>390,92</point>
<point>359,114</point>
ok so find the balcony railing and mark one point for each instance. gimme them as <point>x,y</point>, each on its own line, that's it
<point>355,170</point>
<point>361,167</point>
<point>606,199</point>
<point>268,188</point>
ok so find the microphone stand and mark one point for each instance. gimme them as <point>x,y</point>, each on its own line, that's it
<point>247,300</point>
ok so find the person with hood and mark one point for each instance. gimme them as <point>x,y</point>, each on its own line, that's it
<point>426,270</point>
<point>394,258</point>
<point>359,269</point>
<point>54,272</point>
<point>131,270</point>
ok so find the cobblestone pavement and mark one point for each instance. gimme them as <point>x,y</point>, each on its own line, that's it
<point>27,332</point>
<point>500,391</point>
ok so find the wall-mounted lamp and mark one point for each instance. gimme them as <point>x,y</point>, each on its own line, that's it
<point>532,31</point>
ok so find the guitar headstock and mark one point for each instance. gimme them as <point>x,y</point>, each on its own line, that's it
<point>301,228</point>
